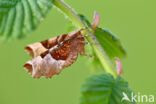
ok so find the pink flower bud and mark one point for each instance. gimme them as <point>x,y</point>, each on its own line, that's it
<point>95,21</point>
<point>118,66</point>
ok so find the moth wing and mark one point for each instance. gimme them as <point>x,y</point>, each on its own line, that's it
<point>38,48</point>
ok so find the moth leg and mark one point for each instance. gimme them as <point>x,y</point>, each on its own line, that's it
<point>86,35</point>
<point>86,27</point>
<point>84,42</point>
<point>89,55</point>
<point>89,43</point>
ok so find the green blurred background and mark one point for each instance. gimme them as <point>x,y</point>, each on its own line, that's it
<point>133,22</point>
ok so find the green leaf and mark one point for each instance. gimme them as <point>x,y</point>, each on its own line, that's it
<point>85,20</point>
<point>107,40</point>
<point>109,43</point>
<point>19,17</point>
<point>104,89</point>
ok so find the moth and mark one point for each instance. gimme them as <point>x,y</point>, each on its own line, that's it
<point>51,56</point>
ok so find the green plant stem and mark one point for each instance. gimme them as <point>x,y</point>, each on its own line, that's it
<point>107,65</point>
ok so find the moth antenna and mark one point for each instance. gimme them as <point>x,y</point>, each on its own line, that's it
<point>84,28</point>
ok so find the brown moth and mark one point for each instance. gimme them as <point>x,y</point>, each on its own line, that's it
<point>53,55</point>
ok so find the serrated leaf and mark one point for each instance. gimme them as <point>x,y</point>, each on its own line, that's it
<point>19,17</point>
<point>109,43</point>
<point>104,89</point>
<point>107,40</point>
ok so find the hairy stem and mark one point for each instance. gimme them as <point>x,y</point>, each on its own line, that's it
<point>107,65</point>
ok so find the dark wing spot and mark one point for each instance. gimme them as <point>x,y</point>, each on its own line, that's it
<point>62,52</point>
<point>44,54</point>
<point>45,44</point>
